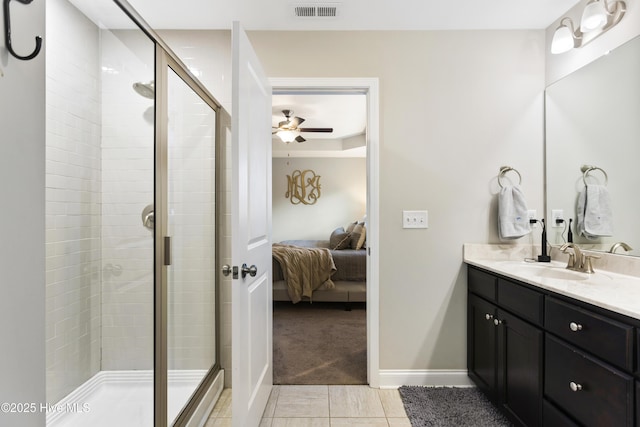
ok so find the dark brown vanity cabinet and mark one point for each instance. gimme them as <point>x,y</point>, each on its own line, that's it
<point>548,360</point>
<point>504,351</point>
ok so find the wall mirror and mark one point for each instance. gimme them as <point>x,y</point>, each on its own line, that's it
<point>593,118</point>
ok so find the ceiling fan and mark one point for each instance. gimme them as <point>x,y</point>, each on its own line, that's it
<point>288,130</point>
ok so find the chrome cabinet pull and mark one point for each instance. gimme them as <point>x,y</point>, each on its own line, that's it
<point>575,386</point>
<point>575,327</point>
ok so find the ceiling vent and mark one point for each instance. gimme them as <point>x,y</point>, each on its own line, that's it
<point>324,10</point>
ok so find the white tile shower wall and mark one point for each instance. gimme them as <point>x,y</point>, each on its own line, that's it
<point>73,197</point>
<point>127,187</point>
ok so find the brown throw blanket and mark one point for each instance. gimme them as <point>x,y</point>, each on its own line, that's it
<point>304,269</point>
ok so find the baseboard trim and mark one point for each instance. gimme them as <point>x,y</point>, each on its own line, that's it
<point>394,378</point>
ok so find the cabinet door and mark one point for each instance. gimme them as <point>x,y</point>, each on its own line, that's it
<point>520,347</point>
<point>590,391</point>
<point>481,345</point>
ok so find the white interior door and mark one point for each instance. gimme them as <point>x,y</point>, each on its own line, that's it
<point>251,235</point>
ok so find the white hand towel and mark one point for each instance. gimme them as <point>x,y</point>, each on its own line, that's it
<point>513,222</point>
<point>595,217</point>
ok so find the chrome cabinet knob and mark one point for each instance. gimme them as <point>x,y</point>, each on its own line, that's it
<point>488,316</point>
<point>497,322</point>
<point>575,327</point>
<point>575,386</point>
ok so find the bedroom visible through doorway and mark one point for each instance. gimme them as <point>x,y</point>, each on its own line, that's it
<point>319,208</point>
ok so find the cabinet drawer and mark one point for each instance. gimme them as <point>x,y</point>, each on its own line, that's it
<point>603,396</point>
<point>638,403</point>
<point>481,283</point>
<point>606,338</point>
<point>552,416</point>
<point>524,302</point>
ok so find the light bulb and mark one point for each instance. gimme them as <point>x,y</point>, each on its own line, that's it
<point>287,135</point>
<point>563,40</point>
<point>594,16</point>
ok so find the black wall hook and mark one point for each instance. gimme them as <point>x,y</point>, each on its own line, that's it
<point>7,33</point>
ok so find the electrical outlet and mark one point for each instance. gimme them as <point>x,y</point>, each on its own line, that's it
<point>415,219</point>
<point>557,214</point>
<point>532,214</point>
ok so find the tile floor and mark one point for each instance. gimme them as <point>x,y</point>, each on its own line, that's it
<point>322,406</point>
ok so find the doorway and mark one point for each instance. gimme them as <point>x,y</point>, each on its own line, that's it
<point>368,90</point>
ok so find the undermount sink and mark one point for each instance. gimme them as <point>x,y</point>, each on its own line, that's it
<point>553,270</point>
<point>562,274</point>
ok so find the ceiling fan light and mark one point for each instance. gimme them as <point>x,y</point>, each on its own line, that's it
<point>287,135</point>
<point>594,16</point>
<point>563,40</point>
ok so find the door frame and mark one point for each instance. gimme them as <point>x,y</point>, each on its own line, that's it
<point>369,87</point>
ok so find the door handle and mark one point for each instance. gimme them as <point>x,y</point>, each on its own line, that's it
<point>226,270</point>
<point>251,271</point>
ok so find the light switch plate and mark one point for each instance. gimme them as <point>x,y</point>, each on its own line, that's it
<point>415,219</point>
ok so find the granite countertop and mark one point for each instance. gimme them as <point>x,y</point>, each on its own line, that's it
<point>607,289</point>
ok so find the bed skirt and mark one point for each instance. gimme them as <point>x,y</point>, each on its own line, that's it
<point>344,291</point>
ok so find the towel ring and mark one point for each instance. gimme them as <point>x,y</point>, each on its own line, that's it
<point>588,168</point>
<point>504,170</point>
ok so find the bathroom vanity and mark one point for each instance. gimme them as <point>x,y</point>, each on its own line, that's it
<point>554,347</point>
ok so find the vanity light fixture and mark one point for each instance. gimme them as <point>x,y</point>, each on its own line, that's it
<point>598,17</point>
<point>594,16</point>
<point>565,37</point>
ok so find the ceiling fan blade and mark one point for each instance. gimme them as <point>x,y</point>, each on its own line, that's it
<point>326,130</point>
<point>300,139</point>
<point>296,121</point>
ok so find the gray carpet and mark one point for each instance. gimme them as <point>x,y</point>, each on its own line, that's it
<point>449,407</point>
<point>319,343</point>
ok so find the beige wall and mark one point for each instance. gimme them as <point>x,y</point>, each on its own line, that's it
<point>454,107</point>
<point>342,199</point>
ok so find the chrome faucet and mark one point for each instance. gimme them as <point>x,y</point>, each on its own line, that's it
<point>578,261</point>
<point>623,245</point>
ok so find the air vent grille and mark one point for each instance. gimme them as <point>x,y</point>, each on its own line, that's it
<point>305,11</point>
<point>327,11</point>
<point>316,11</point>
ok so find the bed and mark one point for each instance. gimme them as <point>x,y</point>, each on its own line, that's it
<point>348,276</point>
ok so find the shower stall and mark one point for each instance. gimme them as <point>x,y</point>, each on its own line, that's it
<point>131,223</point>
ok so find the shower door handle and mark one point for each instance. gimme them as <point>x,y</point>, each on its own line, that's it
<point>148,217</point>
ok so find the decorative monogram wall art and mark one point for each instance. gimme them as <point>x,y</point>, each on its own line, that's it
<point>303,187</point>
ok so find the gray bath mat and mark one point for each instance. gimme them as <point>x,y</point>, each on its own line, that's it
<point>449,407</point>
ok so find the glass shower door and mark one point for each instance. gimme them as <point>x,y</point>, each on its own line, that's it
<point>191,225</point>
